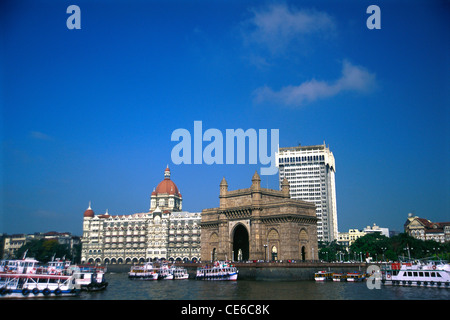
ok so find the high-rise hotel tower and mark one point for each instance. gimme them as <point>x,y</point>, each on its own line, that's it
<point>310,172</point>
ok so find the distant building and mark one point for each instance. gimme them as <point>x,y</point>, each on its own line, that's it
<point>423,229</point>
<point>12,243</point>
<point>164,232</point>
<point>377,229</point>
<point>310,171</point>
<point>346,239</point>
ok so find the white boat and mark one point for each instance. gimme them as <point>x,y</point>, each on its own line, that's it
<point>26,285</point>
<point>89,277</point>
<point>323,276</point>
<point>165,273</point>
<point>434,274</point>
<point>57,266</point>
<point>219,271</point>
<point>25,266</point>
<point>144,272</point>
<point>179,273</point>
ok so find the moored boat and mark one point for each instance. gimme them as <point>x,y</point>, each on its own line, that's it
<point>219,271</point>
<point>58,266</point>
<point>90,278</point>
<point>164,272</point>
<point>323,275</point>
<point>20,266</point>
<point>145,272</point>
<point>26,285</point>
<point>435,274</point>
<point>339,277</point>
<point>179,272</point>
<point>354,277</point>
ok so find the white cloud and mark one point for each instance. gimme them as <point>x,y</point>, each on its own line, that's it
<point>40,135</point>
<point>276,26</point>
<point>354,78</point>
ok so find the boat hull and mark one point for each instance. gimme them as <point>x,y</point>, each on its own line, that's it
<point>226,277</point>
<point>94,287</point>
<point>321,279</point>
<point>14,285</point>
<point>426,284</point>
<point>150,276</point>
<point>25,293</point>
<point>353,280</point>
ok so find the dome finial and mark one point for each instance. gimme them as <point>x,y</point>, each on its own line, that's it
<point>167,173</point>
<point>89,213</point>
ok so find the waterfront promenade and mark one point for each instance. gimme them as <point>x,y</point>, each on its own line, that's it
<point>269,270</point>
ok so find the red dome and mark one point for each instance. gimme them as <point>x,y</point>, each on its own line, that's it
<point>167,186</point>
<point>89,213</point>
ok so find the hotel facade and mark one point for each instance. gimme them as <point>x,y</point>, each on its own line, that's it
<point>310,171</point>
<point>164,232</point>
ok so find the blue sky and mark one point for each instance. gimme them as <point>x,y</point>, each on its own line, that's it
<point>87,115</point>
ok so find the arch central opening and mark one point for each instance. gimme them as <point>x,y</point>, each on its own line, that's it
<point>240,244</point>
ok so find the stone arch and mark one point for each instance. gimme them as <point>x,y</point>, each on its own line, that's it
<point>241,242</point>
<point>302,253</point>
<point>273,242</point>
<point>273,234</point>
<point>303,238</point>
<point>213,246</point>
<point>214,238</point>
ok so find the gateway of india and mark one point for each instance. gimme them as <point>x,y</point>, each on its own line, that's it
<point>259,224</point>
<point>250,224</point>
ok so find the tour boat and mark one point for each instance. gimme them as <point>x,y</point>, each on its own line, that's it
<point>25,266</point>
<point>57,266</point>
<point>179,273</point>
<point>323,276</point>
<point>26,285</point>
<point>164,272</point>
<point>354,277</point>
<point>219,271</point>
<point>337,277</point>
<point>434,274</point>
<point>90,277</point>
<point>87,277</point>
<point>145,272</point>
